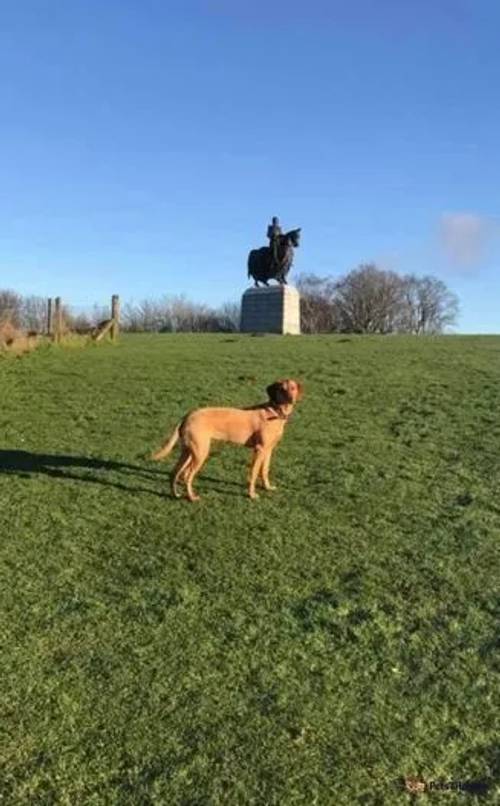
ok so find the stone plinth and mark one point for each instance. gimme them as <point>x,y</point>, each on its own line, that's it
<point>271,309</point>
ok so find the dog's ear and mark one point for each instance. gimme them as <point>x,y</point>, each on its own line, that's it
<point>278,394</point>
<point>300,390</point>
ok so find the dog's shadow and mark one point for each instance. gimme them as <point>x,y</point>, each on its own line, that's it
<point>89,469</point>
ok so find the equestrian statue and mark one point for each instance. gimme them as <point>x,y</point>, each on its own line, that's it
<point>273,262</point>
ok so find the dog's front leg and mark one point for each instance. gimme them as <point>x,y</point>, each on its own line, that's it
<point>265,471</point>
<point>257,461</point>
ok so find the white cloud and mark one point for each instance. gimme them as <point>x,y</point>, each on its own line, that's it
<point>465,238</point>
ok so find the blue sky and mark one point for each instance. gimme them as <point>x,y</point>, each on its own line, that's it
<point>146,144</point>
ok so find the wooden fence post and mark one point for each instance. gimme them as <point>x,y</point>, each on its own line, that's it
<point>58,320</point>
<point>50,316</point>
<point>115,316</point>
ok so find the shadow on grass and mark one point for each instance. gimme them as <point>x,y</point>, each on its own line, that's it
<point>25,464</point>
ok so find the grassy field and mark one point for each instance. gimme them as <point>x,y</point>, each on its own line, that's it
<point>313,647</point>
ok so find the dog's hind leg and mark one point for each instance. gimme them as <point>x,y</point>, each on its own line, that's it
<point>199,453</point>
<point>185,471</point>
<point>181,470</point>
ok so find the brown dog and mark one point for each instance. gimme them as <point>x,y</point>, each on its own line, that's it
<point>259,427</point>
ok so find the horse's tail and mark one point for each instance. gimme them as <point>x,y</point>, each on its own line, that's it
<point>249,263</point>
<point>165,449</point>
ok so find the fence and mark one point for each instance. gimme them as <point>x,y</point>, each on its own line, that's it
<point>57,318</point>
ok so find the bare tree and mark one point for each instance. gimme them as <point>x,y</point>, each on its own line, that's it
<point>369,300</point>
<point>408,317</point>
<point>98,313</point>
<point>131,318</point>
<point>34,313</point>
<point>228,316</point>
<point>373,300</point>
<point>151,315</point>
<point>11,307</point>
<point>185,316</point>
<point>148,316</point>
<point>179,315</point>
<point>77,322</point>
<point>318,307</point>
<point>428,307</point>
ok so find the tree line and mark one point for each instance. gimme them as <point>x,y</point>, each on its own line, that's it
<point>170,314</point>
<point>366,300</point>
<point>373,300</point>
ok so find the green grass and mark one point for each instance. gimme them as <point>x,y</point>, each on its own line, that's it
<point>313,647</point>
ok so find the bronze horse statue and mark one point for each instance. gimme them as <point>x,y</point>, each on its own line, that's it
<point>263,268</point>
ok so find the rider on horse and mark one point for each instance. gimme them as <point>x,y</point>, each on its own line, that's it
<point>274,234</point>
<point>273,262</point>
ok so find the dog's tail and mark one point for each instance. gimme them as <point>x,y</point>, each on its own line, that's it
<point>165,449</point>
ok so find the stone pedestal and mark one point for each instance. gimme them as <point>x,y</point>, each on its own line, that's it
<point>271,309</point>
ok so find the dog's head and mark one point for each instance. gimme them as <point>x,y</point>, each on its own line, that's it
<point>286,392</point>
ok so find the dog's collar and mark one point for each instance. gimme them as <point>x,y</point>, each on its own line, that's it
<point>278,414</point>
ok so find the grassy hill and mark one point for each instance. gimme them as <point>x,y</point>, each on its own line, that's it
<point>313,647</point>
